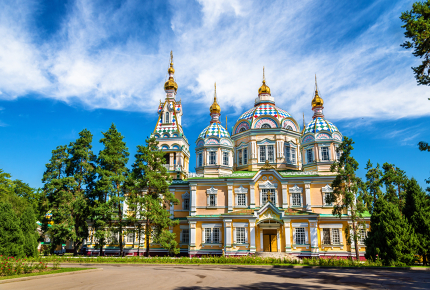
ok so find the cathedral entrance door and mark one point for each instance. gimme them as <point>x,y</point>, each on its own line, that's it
<point>270,241</point>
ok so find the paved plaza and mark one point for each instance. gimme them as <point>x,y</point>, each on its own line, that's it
<point>228,277</point>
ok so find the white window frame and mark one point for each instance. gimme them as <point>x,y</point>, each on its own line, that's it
<point>296,190</point>
<point>245,156</point>
<point>200,159</point>
<point>300,236</point>
<point>265,196</point>
<point>363,235</point>
<point>211,234</point>
<point>225,158</point>
<point>212,157</point>
<point>239,191</point>
<point>212,197</point>
<point>325,153</point>
<point>240,235</point>
<point>338,154</point>
<point>326,190</point>
<point>241,199</point>
<point>263,153</point>
<point>239,157</point>
<point>335,236</point>
<point>130,238</point>
<point>296,199</point>
<point>325,232</point>
<point>309,153</point>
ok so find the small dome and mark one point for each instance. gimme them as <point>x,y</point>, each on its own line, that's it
<point>317,100</point>
<point>215,108</point>
<point>171,84</point>
<point>214,130</point>
<point>264,89</point>
<point>320,124</point>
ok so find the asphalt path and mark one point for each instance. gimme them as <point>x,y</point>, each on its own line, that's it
<point>207,277</point>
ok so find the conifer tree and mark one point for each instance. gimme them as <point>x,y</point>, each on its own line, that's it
<point>424,146</point>
<point>151,177</point>
<point>29,231</point>
<point>110,187</point>
<point>395,181</point>
<point>11,238</point>
<point>417,212</point>
<point>391,238</point>
<point>372,187</point>
<point>345,196</point>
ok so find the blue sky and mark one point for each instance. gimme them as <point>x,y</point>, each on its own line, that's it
<point>70,65</point>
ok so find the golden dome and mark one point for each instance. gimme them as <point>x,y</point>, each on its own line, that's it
<point>264,89</point>
<point>171,84</point>
<point>317,100</point>
<point>215,108</point>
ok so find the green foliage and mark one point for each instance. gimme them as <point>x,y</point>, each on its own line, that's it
<point>345,196</point>
<point>110,187</point>
<point>417,25</point>
<point>151,176</point>
<point>11,266</point>
<point>372,188</point>
<point>424,146</point>
<point>391,238</point>
<point>11,237</point>
<point>29,231</point>
<point>417,212</point>
<point>395,181</point>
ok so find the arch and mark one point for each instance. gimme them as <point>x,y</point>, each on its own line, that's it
<point>337,137</point>
<point>211,141</point>
<point>265,121</point>
<point>200,143</point>
<point>176,146</point>
<point>323,136</point>
<point>175,135</point>
<point>166,135</point>
<point>164,147</point>
<point>226,142</point>
<point>241,127</point>
<point>308,139</point>
<point>156,136</point>
<point>289,124</point>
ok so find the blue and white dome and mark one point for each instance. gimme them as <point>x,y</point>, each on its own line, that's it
<point>214,130</point>
<point>320,124</point>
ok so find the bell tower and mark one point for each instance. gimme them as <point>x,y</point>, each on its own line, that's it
<point>169,132</point>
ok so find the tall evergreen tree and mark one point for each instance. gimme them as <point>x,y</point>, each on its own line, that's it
<point>417,212</point>
<point>150,176</point>
<point>11,238</point>
<point>110,187</point>
<point>345,196</point>
<point>424,146</point>
<point>29,231</point>
<point>391,237</point>
<point>395,181</point>
<point>372,187</point>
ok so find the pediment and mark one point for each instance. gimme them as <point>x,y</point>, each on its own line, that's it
<point>268,184</point>
<point>269,212</point>
<point>241,189</point>
<point>327,188</point>
<point>212,190</point>
<point>295,189</point>
<point>186,195</point>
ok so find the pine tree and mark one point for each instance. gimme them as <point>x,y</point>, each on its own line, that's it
<point>417,212</point>
<point>110,187</point>
<point>391,238</point>
<point>150,176</point>
<point>11,237</point>
<point>395,181</point>
<point>372,187</point>
<point>424,146</point>
<point>345,194</point>
<point>29,231</point>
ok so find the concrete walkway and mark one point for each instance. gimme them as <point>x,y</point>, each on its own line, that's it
<point>228,277</point>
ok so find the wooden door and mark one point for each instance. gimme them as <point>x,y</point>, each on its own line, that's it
<point>266,243</point>
<point>273,243</point>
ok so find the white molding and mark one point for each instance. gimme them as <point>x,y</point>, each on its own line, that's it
<point>212,190</point>
<point>330,226</point>
<point>184,227</point>
<point>205,226</point>
<point>296,189</point>
<point>240,225</point>
<point>185,195</point>
<point>268,185</point>
<point>300,225</point>
<point>241,189</point>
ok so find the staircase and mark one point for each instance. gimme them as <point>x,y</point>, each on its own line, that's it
<point>278,255</point>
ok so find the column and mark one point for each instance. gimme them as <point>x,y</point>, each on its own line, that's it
<point>278,238</point>
<point>308,195</point>
<point>230,197</point>
<point>171,163</point>
<point>252,247</point>
<point>285,195</point>
<point>251,195</point>
<point>193,197</point>
<point>314,237</point>
<point>254,149</point>
<point>192,233</point>
<point>227,235</point>
<point>172,206</point>
<point>261,241</point>
<point>287,236</point>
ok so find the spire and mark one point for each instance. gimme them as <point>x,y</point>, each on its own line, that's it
<point>215,109</point>
<point>264,89</point>
<point>171,84</point>
<point>317,102</point>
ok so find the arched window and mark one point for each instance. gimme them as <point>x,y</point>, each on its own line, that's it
<point>265,126</point>
<point>161,118</point>
<point>167,117</point>
<point>243,129</point>
<point>289,128</point>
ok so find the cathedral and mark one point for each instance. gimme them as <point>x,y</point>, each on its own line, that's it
<point>260,187</point>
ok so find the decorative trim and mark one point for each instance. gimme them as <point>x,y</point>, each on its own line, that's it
<point>300,225</point>
<point>296,189</point>
<point>205,226</point>
<point>268,184</point>
<point>241,189</point>
<point>212,190</point>
<point>327,188</point>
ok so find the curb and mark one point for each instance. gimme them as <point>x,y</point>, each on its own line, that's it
<point>251,266</point>
<point>47,276</point>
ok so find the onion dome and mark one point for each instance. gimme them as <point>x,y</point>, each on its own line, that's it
<point>317,100</point>
<point>320,124</point>
<point>264,109</point>
<point>214,130</point>
<point>171,84</point>
<point>215,108</point>
<point>264,89</point>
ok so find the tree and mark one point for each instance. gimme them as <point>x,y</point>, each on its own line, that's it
<point>345,194</point>
<point>424,146</point>
<point>372,187</point>
<point>417,25</point>
<point>395,181</point>
<point>110,187</point>
<point>8,194</point>
<point>391,237</point>
<point>417,212</point>
<point>150,176</point>
<point>29,231</point>
<point>11,238</point>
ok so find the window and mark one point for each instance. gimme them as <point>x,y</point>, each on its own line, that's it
<point>225,158</point>
<point>265,193</point>
<point>212,158</point>
<point>265,126</point>
<point>290,155</point>
<point>324,154</point>
<point>239,153</point>
<point>335,236</point>
<point>208,236</point>
<point>326,237</point>
<point>130,237</point>
<point>161,118</point>
<point>310,155</point>
<point>215,236</point>
<point>327,196</point>
<point>240,236</point>
<point>167,117</point>
<point>362,236</point>
<point>242,130</point>
<point>185,236</point>
<point>338,153</point>
<point>212,200</point>
<point>296,199</point>
<point>267,153</point>
<point>245,156</point>
<point>289,128</point>
<point>241,199</point>
<point>212,236</point>
<point>300,236</point>
<point>200,164</point>
<point>186,204</point>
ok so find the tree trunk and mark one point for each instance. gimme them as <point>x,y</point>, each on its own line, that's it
<point>138,241</point>
<point>76,248</point>
<point>357,253</point>
<point>147,237</point>
<point>424,260</point>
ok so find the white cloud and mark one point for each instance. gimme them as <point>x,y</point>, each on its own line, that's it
<point>365,75</point>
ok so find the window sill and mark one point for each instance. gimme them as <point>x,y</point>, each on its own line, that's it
<point>241,245</point>
<point>211,245</point>
<point>296,206</point>
<point>240,206</point>
<point>211,207</point>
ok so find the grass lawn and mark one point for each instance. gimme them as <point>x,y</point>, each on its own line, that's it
<point>60,270</point>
